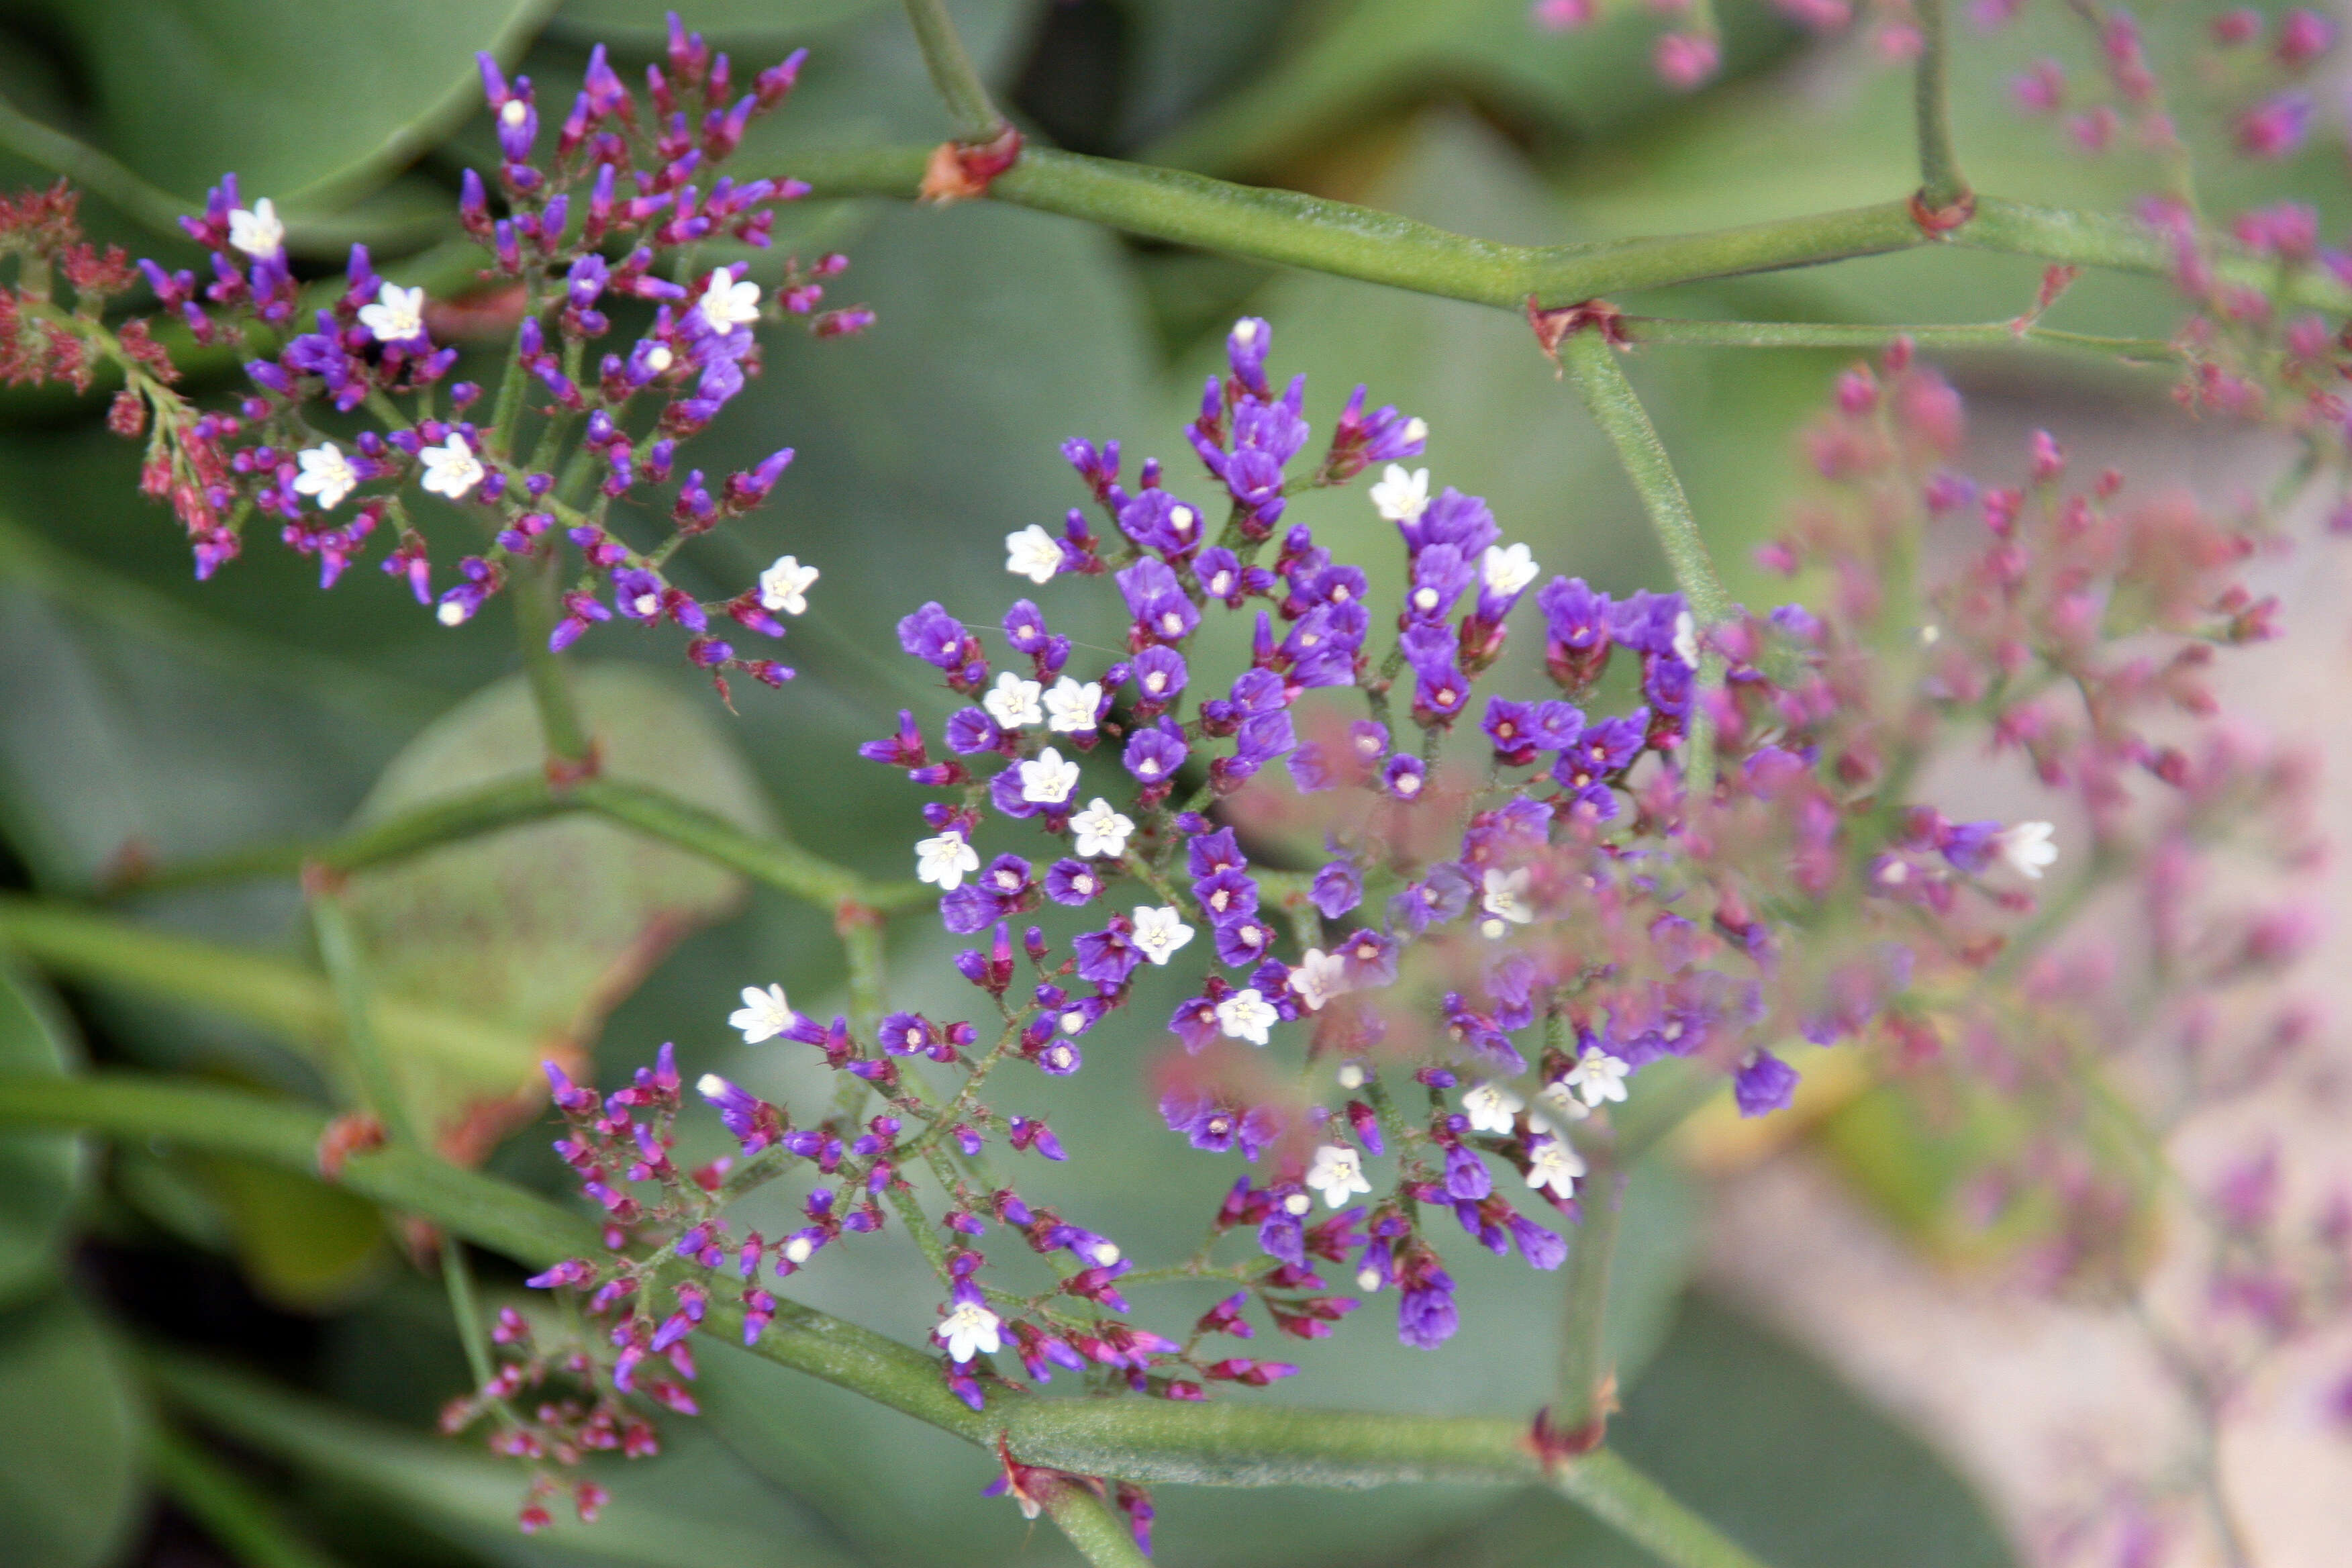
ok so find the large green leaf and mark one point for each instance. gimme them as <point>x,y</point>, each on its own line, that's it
<point>71,1487</point>
<point>312,102</point>
<point>543,929</point>
<point>39,1171</point>
<point>1772,1447</point>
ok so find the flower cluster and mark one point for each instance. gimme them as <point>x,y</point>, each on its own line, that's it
<point>587,238</point>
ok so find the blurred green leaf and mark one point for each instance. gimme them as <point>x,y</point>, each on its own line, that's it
<point>1375,54</point>
<point>303,1245</point>
<point>69,1491</point>
<point>639,25</point>
<point>691,1507</point>
<point>1769,1445</point>
<point>39,1171</point>
<point>543,929</point>
<point>308,102</point>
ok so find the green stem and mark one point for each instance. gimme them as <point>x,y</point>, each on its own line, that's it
<point>863,953</point>
<point>466,1309</point>
<point>1590,362</point>
<point>1094,1527</point>
<point>1669,1094</point>
<point>1227,1443</point>
<point>1667,332</point>
<point>1350,241</point>
<point>1584,1370</point>
<point>534,592</point>
<point>339,949</point>
<point>1942,186</point>
<point>952,73</point>
<point>239,1518</point>
<point>506,803</point>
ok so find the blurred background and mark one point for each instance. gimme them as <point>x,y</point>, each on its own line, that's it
<point>1815,1355</point>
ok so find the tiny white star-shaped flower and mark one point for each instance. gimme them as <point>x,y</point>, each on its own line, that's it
<point>1047,780</point>
<point>1402,497</point>
<point>763,1015</point>
<point>397,317</point>
<point>1597,1075</point>
<point>1032,553</point>
<point>946,860</point>
<point>1070,706</point>
<point>1101,830</point>
<point>1317,977</point>
<point>1506,572</point>
<point>1246,1016</point>
<point>1504,896</point>
<point>1686,638</point>
<point>326,474</point>
<point>784,587</point>
<point>1337,1174</point>
<point>1352,1077</point>
<point>1491,1107</point>
<point>658,358</point>
<point>453,613</point>
<point>2027,848</point>
<point>258,233</point>
<point>1416,429</point>
<point>1560,1096</point>
<point>728,303</point>
<point>1246,332</point>
<point>1013,701</point>
<point>1160,931</point>
<point>451,468</point>
<point>1552,1163</point>
<point>968,1330</point>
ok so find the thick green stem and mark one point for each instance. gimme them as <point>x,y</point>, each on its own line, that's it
<point>1348,241</point>
<point>534,592</point>
<point>1942,186</point>
<point>237,1518</point>
<point>1096,1528</point>
<point>952,73</point>
<point>1666,331</point>
<point>1227,1443</point>
<point>777,862</point>
<point>1586,1393</point>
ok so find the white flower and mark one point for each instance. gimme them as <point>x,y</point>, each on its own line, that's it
<point>798,1250</point>
<point>785,585</point>
<point>1507,571</point>
<point>450,469</point>
<point>1491,1107</point>
<point>453,613</point>
<point>1686,639</point>
<point>763,1015</point>
<point>1160,931</point>
<point>1337,1174</point>
<point>1352,1076</point>
<point>1101,830</point>
<point>1597,1075</point>
<point>1246,1016</point>
<point>727,303</point>
<point>1032,553</point>
<point>1505,899</point>
<point>1070,706</point>
<point>1013,703</point>
<point>1416,429</point>
<point>1319,978</point>
<point>257,233</point>
<point>1552,1163</point>
<point>326,473</point>
<point>1048,780</point>
<point>967,1330</point>
<point>1246,332</point>
<point>658,358</point>
<point>1400,497</point>
<point>1559,1097</point>
<point>946,859</point>
<point>397,317</point>
<point>2026,848</point>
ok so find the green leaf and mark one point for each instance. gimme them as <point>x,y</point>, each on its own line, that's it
<point>39,1171</point>
<point>310,101</point>
<point>543,929</point>
<point>303,1244</point>
<point>639,25</point>
<point>70,1489</point>
<point>1772,1447</point>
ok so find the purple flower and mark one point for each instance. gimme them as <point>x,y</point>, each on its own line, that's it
<point>1337,889</point>
<point>1764,1083</point>
<point>1511,727</point>
<point>1553,726</point>
<point>1439,574</point>
<point>1310,770</point>
<point>1153,755</point>
<point>1106,957</point>
<point>1158,521</point>
<point>1441,895</point>
<point>932,635</point>
<point>1206,854</point>
<point>1455,518</point>
<point>1226,894</point>
<point>1195,1024</point>
<point>1466,1177</point>
<point>1646,621</point>
<point>1542,1249</point>
<point>1222,575</point>
<point>1426,1316</point>
<point>1243,941</point>
<point>1073,882</point>
<point>1160,676</point>
<point>1574,616</point>
<point>1157,602</point>
<point>1370,958</point>
<point>969,731</point>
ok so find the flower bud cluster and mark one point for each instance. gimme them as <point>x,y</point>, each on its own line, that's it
<point>589,233</point>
